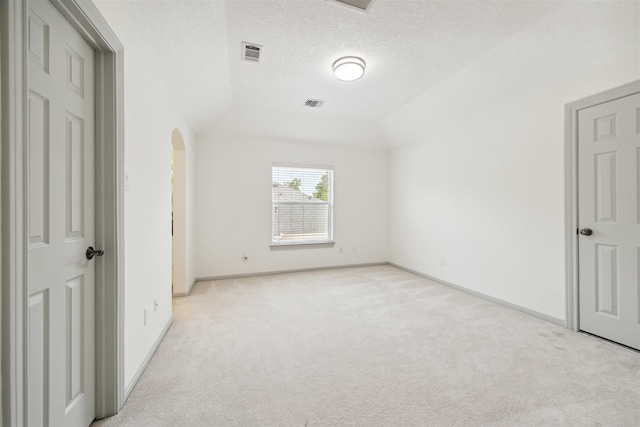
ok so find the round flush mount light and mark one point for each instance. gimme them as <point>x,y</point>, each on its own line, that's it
<point>349,68</point>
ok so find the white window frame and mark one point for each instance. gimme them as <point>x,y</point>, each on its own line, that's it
<point>306,243</point>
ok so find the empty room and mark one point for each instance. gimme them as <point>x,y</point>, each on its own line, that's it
<point>320,213</point>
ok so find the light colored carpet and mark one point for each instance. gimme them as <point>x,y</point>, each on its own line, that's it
<point>374,346</point>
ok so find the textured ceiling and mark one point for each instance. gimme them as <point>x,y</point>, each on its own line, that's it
<point>409,46</point>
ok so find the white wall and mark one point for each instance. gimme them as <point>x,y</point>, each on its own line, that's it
<point>183,200</point>
<point>480,181</point>
<point>149,121</point>
<point>186,157</point>
<point>190,206</point>
<point>234,205</point>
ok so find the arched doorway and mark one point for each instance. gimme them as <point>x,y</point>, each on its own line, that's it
<point>178,214</point>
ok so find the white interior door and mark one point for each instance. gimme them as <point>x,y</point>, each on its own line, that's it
<point>609,206</point>
<point>60,205</point>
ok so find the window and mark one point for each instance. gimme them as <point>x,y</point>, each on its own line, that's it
<point>302,205</point>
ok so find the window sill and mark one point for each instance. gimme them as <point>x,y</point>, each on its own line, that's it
<point>292,246</point>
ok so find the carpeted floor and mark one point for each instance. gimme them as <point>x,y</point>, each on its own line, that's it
<point>374,346</point>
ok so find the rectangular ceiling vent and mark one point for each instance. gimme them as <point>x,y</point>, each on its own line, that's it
<point>362,5</point>
<point>251,52</point>
<point>313,103</point>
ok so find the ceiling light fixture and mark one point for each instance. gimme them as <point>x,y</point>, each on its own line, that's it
<point>349,68</point>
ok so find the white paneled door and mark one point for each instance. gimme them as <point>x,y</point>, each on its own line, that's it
<point>609,218</point>
<point>60,207</point>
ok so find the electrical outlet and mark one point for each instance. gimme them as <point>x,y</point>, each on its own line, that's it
<point>146,316</point>
<point>155,305</point>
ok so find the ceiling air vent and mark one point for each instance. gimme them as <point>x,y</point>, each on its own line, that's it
<point>251,52</point>
<point>362,5</point>
<point>313,103</point>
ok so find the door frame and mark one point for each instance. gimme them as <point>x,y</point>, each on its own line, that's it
<point>571,192</point>
<point>87,20</point>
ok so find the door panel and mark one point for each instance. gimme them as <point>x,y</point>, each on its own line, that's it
<point>75,333</point>
<point>75,177</point>
<point>607,279</point>
<point>609,204</point>
<point>38,313</point>
<point>38,118</point>
<point>60,174</point>
<point>606,186</point>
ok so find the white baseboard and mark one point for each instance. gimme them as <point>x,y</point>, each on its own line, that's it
<point>297,270</point>
<point>147,360</point>
<point>185,294</point>
<point>516,307</point>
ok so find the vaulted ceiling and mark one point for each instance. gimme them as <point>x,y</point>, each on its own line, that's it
<point>409,47</point>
